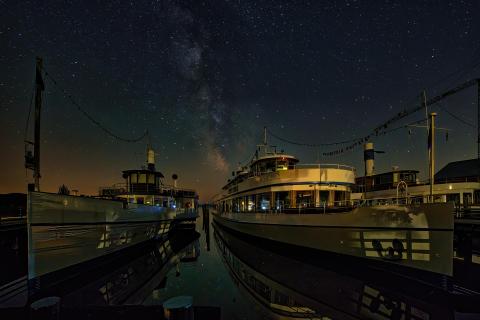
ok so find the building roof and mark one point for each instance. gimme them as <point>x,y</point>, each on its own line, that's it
<point>459,169</point>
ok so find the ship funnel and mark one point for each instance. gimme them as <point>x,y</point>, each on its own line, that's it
<point>368,157</point>
<point>174,178</point>
<point>150,159</point>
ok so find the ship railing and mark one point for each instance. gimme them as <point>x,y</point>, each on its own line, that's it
<point>304,207</point>
<point>371,202</point>
<point>469,211</point>
<point>170,187</point>
<point>335,206</point>
<point>360,187</point>
<point>323,166</point>
<point>113,190</point>
<point>298,167</point>
<point>163,190</point>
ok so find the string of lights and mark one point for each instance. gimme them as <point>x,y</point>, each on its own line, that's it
<point>307,144</point>
<point>381,129</point>
<point>352,142</point>
<point>370,137</point>
<point>89,117</point>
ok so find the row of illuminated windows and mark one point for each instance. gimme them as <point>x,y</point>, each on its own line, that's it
<point>143,178</point>
<point>286,199</point>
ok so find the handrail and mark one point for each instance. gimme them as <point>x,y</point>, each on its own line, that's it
<point>392,185</point>
<point>304,166</point>
<point>324,165</point>
<point>118,186</point>
<point>164,191</point>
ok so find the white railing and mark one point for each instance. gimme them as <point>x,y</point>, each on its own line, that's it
<point>324,166</point>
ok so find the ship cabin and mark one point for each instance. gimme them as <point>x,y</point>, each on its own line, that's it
<point>458,181</point>
<point>146,186</point>
<point>386,180</point>
<point>276,182</point>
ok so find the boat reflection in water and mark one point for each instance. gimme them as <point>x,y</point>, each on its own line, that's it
<point>126,279</point>
<point>286,287</point>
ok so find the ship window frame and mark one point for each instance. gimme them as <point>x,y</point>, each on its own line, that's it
<point>151,178</point>
<point>133,178</point>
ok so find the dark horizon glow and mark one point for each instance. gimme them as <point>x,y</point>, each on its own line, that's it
<point>205,78</point>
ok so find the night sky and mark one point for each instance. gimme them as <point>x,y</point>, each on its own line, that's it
<point>205,78</point>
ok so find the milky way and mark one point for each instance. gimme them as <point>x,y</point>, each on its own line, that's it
<point>205,78</point>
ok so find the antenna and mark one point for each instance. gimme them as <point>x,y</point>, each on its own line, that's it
<point>265,135</point>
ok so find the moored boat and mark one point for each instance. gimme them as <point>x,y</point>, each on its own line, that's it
<point>309,206</point>
<point>65,230</point>
<point>457,182</point>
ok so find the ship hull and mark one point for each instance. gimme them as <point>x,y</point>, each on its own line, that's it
<point>419,237</point>
<point>64,231</point>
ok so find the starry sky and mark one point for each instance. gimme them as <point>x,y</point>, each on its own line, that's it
<point>205,77</point>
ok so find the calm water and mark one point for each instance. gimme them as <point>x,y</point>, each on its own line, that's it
<point>243,279</point>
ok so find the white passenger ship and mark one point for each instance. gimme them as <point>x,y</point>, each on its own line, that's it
<point>278,199</point>
<point>66,230</point>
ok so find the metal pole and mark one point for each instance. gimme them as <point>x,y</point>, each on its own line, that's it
<point>425,105</point>
<point>431,144</point>
<point>39,87</point>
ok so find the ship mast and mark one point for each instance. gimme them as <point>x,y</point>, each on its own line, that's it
<point>39,87</point>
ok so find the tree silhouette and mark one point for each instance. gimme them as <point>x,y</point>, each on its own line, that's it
<point>63,189</point>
